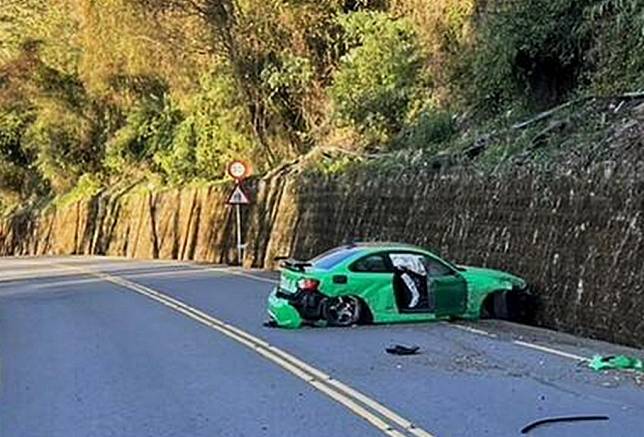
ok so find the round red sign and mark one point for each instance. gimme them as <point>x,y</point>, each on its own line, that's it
<point>238,170</point>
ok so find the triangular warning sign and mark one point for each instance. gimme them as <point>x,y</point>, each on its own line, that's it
<point>238,197</point>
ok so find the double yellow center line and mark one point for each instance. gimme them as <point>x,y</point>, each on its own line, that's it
<point>381,417</point>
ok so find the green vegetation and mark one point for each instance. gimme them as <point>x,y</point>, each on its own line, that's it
<point>379,76</point>
<point>94,93</point>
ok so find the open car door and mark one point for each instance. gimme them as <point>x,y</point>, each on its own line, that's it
<point>411,283</point>
<point>425,285</point>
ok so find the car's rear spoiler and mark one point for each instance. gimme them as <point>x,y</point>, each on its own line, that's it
<point>292,264</point>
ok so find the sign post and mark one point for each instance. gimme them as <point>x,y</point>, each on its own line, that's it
<point>239,170</point>
<point>240,247</point>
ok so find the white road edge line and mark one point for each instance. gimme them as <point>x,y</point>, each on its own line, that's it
<point>529,345</point>
<point>333,388</point>
<point>30,276</point>
<point>521,343</point>
<point>472,330</point>
<point>550,350</point>
<point>245,275</point>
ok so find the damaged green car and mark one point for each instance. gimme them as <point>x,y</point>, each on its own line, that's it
<point>391,283</point>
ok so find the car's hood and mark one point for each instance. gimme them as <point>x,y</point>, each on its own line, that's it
<point>479,274</point>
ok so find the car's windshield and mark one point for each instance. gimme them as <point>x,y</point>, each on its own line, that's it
<point>332,258</point>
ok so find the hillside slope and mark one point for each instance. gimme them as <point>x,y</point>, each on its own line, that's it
<point>94,94</point>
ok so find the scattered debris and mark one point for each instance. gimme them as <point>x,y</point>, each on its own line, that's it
<point>400,349</point>
<point>616,362</point>
<point>526,429</point>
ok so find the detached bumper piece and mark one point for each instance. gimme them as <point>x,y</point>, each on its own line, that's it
<point>282,314</point>
<point>308,304</point>
<point>292,310</point>
<point>616,362</point>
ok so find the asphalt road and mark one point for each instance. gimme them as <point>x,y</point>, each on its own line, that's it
<point>85,355</point>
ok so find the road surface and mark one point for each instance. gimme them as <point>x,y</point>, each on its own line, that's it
<point>97,347</point>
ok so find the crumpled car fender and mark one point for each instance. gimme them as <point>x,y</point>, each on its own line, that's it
<point>478,292</point>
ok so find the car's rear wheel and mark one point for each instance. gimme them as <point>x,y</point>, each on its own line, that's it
<point>342,311</point>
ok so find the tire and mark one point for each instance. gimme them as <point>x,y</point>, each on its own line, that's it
<point>495,306</point>
<point>522,307</point>
<point>342,311</point>
<point>517,306</point>
<point>501,310</point>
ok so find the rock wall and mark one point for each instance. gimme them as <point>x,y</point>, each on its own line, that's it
<point>578,239</point>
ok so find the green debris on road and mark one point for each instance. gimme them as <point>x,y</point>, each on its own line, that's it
<point>616,362</point>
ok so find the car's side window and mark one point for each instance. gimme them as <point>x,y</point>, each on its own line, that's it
<point>421,264</point>
<point>411,261</point>
<point>435,268</point>
<point>371,264</point>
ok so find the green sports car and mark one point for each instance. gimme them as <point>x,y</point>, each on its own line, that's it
<point>387,283</point>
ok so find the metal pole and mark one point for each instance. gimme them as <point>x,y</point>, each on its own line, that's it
<point>240,253</point>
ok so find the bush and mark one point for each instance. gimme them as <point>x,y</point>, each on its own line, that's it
<point>179,162</point>
<point>215,131</point>
<point>528,54</point>
<point>378,77</point>
<point>12,129</point>
<point>88,186</point>
<point>149,129</point>
<point>56,138</point>
<point>432,127</point>
<point>11,179</point>
<point>618,49</point>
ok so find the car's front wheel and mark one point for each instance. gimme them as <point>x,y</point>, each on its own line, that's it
<point>518,306</point>
<point>342,311</point>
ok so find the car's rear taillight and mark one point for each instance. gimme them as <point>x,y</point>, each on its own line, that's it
<point>308,285</point>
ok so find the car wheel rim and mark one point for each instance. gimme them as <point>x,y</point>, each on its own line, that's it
<point>343,311</point>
